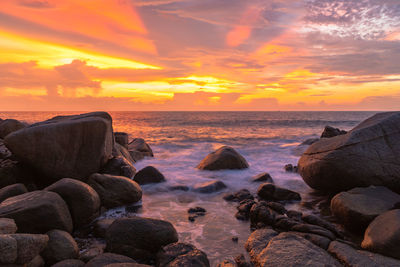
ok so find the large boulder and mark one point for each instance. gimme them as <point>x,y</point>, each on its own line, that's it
<point>181,254</point>
<point>149,175</point>
<point>82,200</point>
<point>350,256</point>
<point>287,249</point>
<point>367,155</point>
<point>37,212</point>
<point>139,238</point>
<point>12,190</point>
<point>65,146</point>
<point>383,234</point>
<point>9,126</point>
<point>115,191</point>
<point>359,206</point>
<point>223,158</point>
<point>61,246</point>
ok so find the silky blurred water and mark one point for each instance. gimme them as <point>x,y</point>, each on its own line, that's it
<point>180,140</point>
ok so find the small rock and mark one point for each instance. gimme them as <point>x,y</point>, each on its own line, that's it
<point>101,226</point>
<point>278,207</point>
<point>309,142</point>
<point>181,254</point>
<point>197,210</point>
<point>223,158</point>
<point>235,239</point>
<point>239,196</point>
<point>108,258</point>
<point>240,261</point>
<point>268,191</point>
<point>91,253</point>
<point>7,226</point>
<point>139,144</point>
<point>263,177</point>
<point>61,246</point>
<point>119,166</point>
<point>12,190</point>
<point>149,175</point>
<point>179,188</point>
<point>330,131</point>
<point>290,168</point>
<point>314,229</point>
<point>209,187</point>
<point>244,209</point>
<point>261,213</point>
<point>295,215</point>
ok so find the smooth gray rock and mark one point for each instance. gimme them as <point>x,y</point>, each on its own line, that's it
<point>115,191</point>
<point>383,234</point>
<point>139,238</point>
<point>61,246</point>
<point>65,146</point>
<point>82,200</point>
<point>7,226</point>
<point>367,155</point>
<point>37,212</point>
<point>181,255</point>
<point>209,187</point>
<point>359,258</point>
<point>12,190</point>
<point>223,158</point>
<point>359,206</point>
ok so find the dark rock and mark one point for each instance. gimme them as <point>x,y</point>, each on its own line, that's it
<point>139,238</point>
<point>285,224</point>
<point>278,207</point>
<point>290,168</point>
<point>330,131</point>
<point>7,226</point>
<point>227,263</point>
<point>358,207</point>
<point>12,190</point>
<point>91,253</point>
<point>127,265</point>
<point>119,166</point>
<point>69,263</point>
<point>350,256</point>
<point>320,241</point>
<point>383,234</point>
<point>122,138</point>
<point>261,213</point>
<point>115,191</point>
<point>179,188</point>
<point>82,200</point>
<point>309,141</point>
<point>313,229</point>
<point>61,246</point>
<point>120,151</point>
<point>235,239</point>
<point>240,261</point>
<point>9,126</point>
<point>100,227</point>
<point>181,255</point>
<point>288,249</point>
<point>29,246</point>
<point>38,261</point>
<point>108,258</point>
<point>37,212</point>
<point>139,149</point>
<point>9,172</point>
<point>295,215</point>
<point>263,177</point>
<point>244,209</point>
<point>65,146</point>
<point>257,241</point>
<point>239,196</point>
<point>366,155</point>
<point>197,210</point>
<point>4,152</point>
<point>209,187</point>
<point>8,249</point>
<point>268,191</point>
<point>149,175</point>
<point>223,158</point>
<point>312,219</point>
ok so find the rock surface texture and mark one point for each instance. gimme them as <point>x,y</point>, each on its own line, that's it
<point>367,155</point>
<point>223,158</point>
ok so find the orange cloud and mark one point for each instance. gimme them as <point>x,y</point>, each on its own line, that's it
<point>241,32</point>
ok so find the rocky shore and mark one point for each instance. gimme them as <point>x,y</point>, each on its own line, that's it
<point>58,176</point>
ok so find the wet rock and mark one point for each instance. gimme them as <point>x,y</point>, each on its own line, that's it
<point>227,263</point>
<point>209,187</point>
<point>350,256</point>
<point>9,126</point>
<point>257,241</point>
<point>179,188</point>
<point>358,207</point>
<point>240,261</point>
<point>138,148</point>
<point>139,238</point>
<point>295,215</point>
<point>61,246</point>
<point>181,254</point>
<point>7,226</point>
<point>366,155</point>
<point>12,190</point>
<point>37,212</point>
<point>290,168</point>
<point>29,246</point>
<point>268,191</point>
<point>261,213</point>
<point>108,258</point>
<point>121,138</point>
<point>320,241</point>
<point>197,210</point>
<point>284,223</point>
<point>115,191</point>
<point>149,175</point>
<point>69,263</point>
<point>263,177</point>
<point>239,196</point>
<point>244,208</point>
<point>100,227</point>
<point>235,239</point>
<point>288,249</point>
<point>278,207</point>
<point>383,234</point>
<point>223,158</point>
<point>330,131</point>
<point>65,146</point>
<point>119,166</point>
<point>91,253</point>
<point>82,200</point>
<point>314,229</point>
<point>312,219</point>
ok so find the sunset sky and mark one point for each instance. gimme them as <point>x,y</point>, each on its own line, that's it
<point>199,55</point>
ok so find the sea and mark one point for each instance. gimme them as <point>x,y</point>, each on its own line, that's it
<point>180,140</point>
